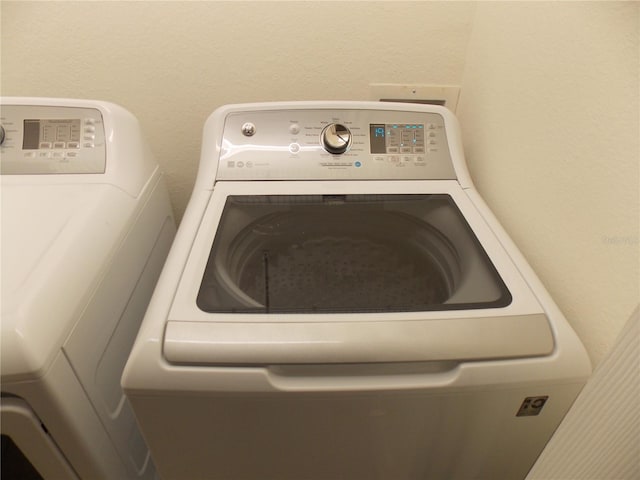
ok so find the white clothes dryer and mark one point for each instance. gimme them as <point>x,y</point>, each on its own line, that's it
<point>340,303</point>
<point>86,226</point>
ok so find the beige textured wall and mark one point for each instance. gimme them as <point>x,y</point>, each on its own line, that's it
<point>549,102</point>
<point>173,63</point>
<point>549,108</point>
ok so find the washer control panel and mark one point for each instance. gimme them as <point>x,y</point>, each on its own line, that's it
<point>334,144</point>
<point>51,140</point>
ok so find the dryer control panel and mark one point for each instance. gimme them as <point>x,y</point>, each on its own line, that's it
<point>44,139</point>
<point>301,144</point>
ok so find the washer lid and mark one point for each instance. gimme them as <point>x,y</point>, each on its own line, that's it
<point>351,253</point>
<point>478,307</point>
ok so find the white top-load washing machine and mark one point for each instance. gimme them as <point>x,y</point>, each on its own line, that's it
<point>340,303</point>
<point>86,226</point>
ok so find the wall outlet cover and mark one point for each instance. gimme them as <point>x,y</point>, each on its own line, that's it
<point>446,95</point>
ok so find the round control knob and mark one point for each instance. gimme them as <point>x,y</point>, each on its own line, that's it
<point>1,134</point>
<point>336,138</point>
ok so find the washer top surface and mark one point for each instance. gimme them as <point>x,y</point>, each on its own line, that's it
<point>56,242</point>
<point>367,245</point>
<point>73,172</point>
<point>469,301</point>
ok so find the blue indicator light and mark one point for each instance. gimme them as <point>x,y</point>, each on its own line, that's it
<point>358,164</point>
<point>379,132</point>
<point>420,126</point>
<point>395,126</point>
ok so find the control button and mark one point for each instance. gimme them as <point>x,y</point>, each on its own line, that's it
<point>407,136</point>
<point>336,138</point>
<point>294,129</point>
<point>72,154</point>
<point>240,164</point>
<point>431,126</point>
<point>58,154</point>
<point>405,149</point>
<point>89,137</point>
<point>88,145</point>
<point>393,150</point>
<point>418,149</point>
<point>45,144</point>
<point>59,144</point>
<point>44,154</point>
<point>294,148</point>
<point>248,129</point>
<point>73,144</point>
<point>30,154</point>
<point>89,121</point>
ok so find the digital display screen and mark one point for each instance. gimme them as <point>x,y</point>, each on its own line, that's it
<point>377,135</point>
<point>31,139</point>
<point>51,133</point>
